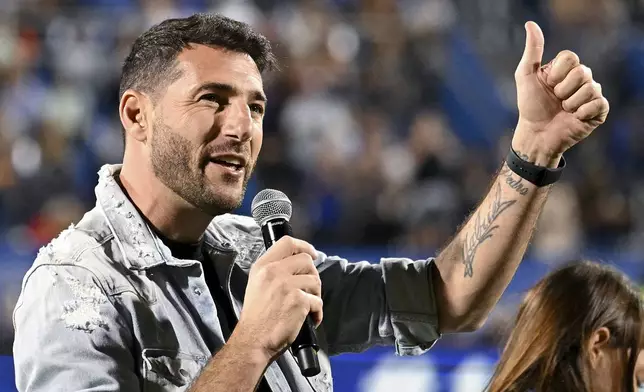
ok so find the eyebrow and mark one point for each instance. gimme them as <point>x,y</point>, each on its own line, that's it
<point>256,94</point>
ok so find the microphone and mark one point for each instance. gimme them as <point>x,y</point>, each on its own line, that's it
<point>272,210</point>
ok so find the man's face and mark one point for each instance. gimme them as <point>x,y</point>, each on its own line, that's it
<point>207,128</point>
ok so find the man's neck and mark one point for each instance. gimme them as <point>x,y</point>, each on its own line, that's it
<point>170,215</point>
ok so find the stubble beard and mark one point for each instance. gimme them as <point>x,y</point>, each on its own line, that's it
<point>171,163</point>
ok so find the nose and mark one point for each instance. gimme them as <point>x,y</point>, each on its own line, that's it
<point>238,121</point>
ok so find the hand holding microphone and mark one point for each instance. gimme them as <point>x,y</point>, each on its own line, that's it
<point>283,289</point>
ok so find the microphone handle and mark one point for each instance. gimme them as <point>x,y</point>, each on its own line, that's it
<point>305,346</point>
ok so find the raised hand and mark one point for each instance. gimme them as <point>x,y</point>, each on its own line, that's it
<point>559,103</point>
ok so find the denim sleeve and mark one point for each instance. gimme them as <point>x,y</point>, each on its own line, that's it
<point>391,303</point>
<point>68,335</point>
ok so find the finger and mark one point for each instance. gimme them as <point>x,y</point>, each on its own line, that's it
<point>316,307</point>
<point>285,247</point>
<point>585,93</point>
<point>573,81</point>
<point>308,283</point>
<point>300,264</point>
<point>533,51</point>
<point>561,66</point>
<point>597,109</point>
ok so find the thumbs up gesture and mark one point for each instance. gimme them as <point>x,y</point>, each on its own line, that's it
<point>559,103</point>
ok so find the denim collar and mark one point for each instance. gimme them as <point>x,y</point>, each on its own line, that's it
<point>141,247</point>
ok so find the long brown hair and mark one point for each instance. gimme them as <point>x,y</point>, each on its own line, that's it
<point>546,351</point>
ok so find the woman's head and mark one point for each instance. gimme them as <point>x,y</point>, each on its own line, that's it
<point>579,329</point>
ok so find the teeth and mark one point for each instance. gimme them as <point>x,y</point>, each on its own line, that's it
<point>230,161</point>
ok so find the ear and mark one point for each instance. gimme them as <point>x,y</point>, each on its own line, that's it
<point>597,345</point>
<point>134,110</point>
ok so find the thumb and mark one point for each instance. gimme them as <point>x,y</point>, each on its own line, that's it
<point>533,52</point>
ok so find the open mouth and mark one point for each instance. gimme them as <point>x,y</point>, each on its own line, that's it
<point>229,164</point>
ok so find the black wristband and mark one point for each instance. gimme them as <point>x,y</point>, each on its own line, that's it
<point>537,175</point>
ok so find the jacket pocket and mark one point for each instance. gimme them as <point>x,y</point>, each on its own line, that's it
<point>169,370</point>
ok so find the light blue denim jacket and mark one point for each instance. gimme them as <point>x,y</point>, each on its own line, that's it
<point>106,307</point>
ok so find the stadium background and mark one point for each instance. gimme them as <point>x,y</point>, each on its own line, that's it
<point>384,128</point>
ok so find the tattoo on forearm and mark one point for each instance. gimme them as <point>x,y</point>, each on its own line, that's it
<point>483,229</point>
<point>516,184</point>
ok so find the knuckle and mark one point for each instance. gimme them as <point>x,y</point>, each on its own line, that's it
<point>269,272</point>
<point>605,104</point>
<point>579,73</point>
<point>288,240</point>
<point>258,275</point>
<point>569,56</point>
<point>597,87</point>
<point>301,299</point>
<point>307,257</point>
<point>587,72</point>
<point>292,243</point>
<point>589,90</point>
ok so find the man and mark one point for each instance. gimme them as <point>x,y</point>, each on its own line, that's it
<point>146,292</point>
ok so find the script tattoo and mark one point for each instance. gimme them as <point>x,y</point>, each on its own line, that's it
<point>483,229</point>
<point>516,184</point>
<point>523,156</point>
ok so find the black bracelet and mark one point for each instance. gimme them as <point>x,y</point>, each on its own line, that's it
<point>537,175</point>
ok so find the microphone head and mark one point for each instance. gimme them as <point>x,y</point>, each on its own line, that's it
<point>271,204</point>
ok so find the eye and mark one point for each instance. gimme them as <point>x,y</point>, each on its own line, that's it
<point>257,108</point>
<point>214,98</point>
<point>209,97</point>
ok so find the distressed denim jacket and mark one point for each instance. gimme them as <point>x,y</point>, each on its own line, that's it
<point>105,306</point>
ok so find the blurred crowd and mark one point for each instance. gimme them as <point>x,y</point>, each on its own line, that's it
<point>384,127</point>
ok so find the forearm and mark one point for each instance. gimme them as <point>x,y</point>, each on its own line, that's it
<point>237,367</point>
<point>559,105</point>
<point>476,267</point>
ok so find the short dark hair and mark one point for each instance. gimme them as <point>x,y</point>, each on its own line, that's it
<point>150,64</point>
